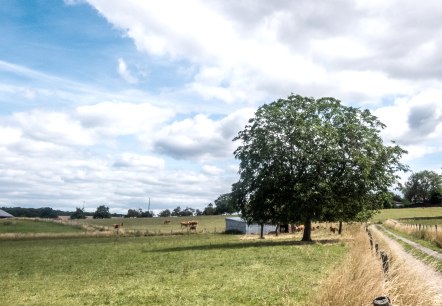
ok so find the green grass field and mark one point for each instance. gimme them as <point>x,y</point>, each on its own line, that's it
<point>401,213</point>
<point>33,226</point>
<point>203,269</point>
<point>206,224</point>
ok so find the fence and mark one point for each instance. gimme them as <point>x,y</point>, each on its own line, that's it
<point>385,261</point>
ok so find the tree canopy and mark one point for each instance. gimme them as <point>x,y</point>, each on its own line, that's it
<point>102,212</point>
<point>423,187</point>
<point>78,214</point>
<point>304,160</point>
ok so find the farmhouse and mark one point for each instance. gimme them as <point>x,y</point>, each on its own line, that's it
<point>240,225</point>
<point>4,214</point>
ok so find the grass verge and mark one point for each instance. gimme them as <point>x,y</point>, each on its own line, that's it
<point>360,279</point>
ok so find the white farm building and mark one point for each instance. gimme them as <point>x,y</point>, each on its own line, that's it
<point>240,225</point>
<point>4,214</point>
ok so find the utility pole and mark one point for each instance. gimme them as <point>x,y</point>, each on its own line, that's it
<point>148,208</point>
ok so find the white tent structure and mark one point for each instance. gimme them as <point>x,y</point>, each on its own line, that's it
<point>4,214</point>
<point>240,225</point>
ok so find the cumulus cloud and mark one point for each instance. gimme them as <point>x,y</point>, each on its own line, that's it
<point>201,138</point>
<point>250,51</point>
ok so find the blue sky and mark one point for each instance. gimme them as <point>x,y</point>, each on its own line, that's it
<point>113,102</point>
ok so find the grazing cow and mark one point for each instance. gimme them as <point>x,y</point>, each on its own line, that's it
<point>192,222</point>
<point>192,227</point>
<point>116,226</point>
<point>300,228</point>
<point>166,221</point>
<point>333,229</point>
<point>184,223</point>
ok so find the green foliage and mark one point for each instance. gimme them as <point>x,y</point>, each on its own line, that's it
<point>78,214</point>
<point>177,212</point>
<point>147,214</point>
<point>102,212</point>
<point>304,160</point>
<point>420,186</point>
<point>225,204</point>
<point>43,212</point>
<point>209,210</point>
<point>436,197</point>
<point>164,213</point>
<point>133,213</point>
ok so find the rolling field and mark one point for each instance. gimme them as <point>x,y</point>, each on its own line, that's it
<point>31,226</point>
<point>197,269</point>
<point>206,224</point>
<point>408,213</point>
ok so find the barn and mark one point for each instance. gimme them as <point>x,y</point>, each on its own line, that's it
<point>4,214</point>
<point>240,225</point>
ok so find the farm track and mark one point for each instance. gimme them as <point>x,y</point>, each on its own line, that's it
<point>428,273</point>
<point>416,245</point>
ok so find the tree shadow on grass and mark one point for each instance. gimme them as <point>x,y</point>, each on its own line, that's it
<point>244,244</point>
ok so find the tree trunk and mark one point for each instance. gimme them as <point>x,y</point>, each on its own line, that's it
<point>307,236</point>
<point>262,231</point>
<point>277,230</point>
<point>340,228</point>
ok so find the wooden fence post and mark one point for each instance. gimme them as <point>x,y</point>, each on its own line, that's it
<point>381,301</point>
<point>371,244</point>
<point>376,246</point>
<point>385,262</point>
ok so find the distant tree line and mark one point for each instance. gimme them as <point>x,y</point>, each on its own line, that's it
<point>43,212</point>
<point>223,205</point>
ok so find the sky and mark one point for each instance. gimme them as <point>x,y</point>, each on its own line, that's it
<point>108,102</point>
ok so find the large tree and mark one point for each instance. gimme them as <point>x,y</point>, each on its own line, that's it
<point>422,186</point>
<point>102,212</point>
<point>304,160</point>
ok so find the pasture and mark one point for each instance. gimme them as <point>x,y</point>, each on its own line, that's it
<point>407,213</point>
<point>24,226</point>
<point>202,269</point>
<point>206,224</point>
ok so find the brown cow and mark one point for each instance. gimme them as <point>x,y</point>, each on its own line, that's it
<point>166,221</point>
<point>116,226</point>
<point>184,223</point>
<point>333,229</point>
<point>192,227</point>
<point>192,222</point>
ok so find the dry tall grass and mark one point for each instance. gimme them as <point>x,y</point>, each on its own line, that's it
<point>429,233</point>
<point>361,279</point>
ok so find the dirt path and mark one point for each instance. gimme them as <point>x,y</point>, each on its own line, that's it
<point>429,274</point>
<point>425,250</point>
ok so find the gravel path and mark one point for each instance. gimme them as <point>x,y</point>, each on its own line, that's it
<point>433,278</point>
<point>427,251</point>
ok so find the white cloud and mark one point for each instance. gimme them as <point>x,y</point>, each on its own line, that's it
<point>212,170</point>
<point>125,73</point>
<point>53,127</point>
<point>134,160</point>
<point>200,137</point>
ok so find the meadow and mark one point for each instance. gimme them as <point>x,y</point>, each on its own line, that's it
<point>147,262</point>
<point>24,226</point>
<point>197,269</point>
<point>407,213</point>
